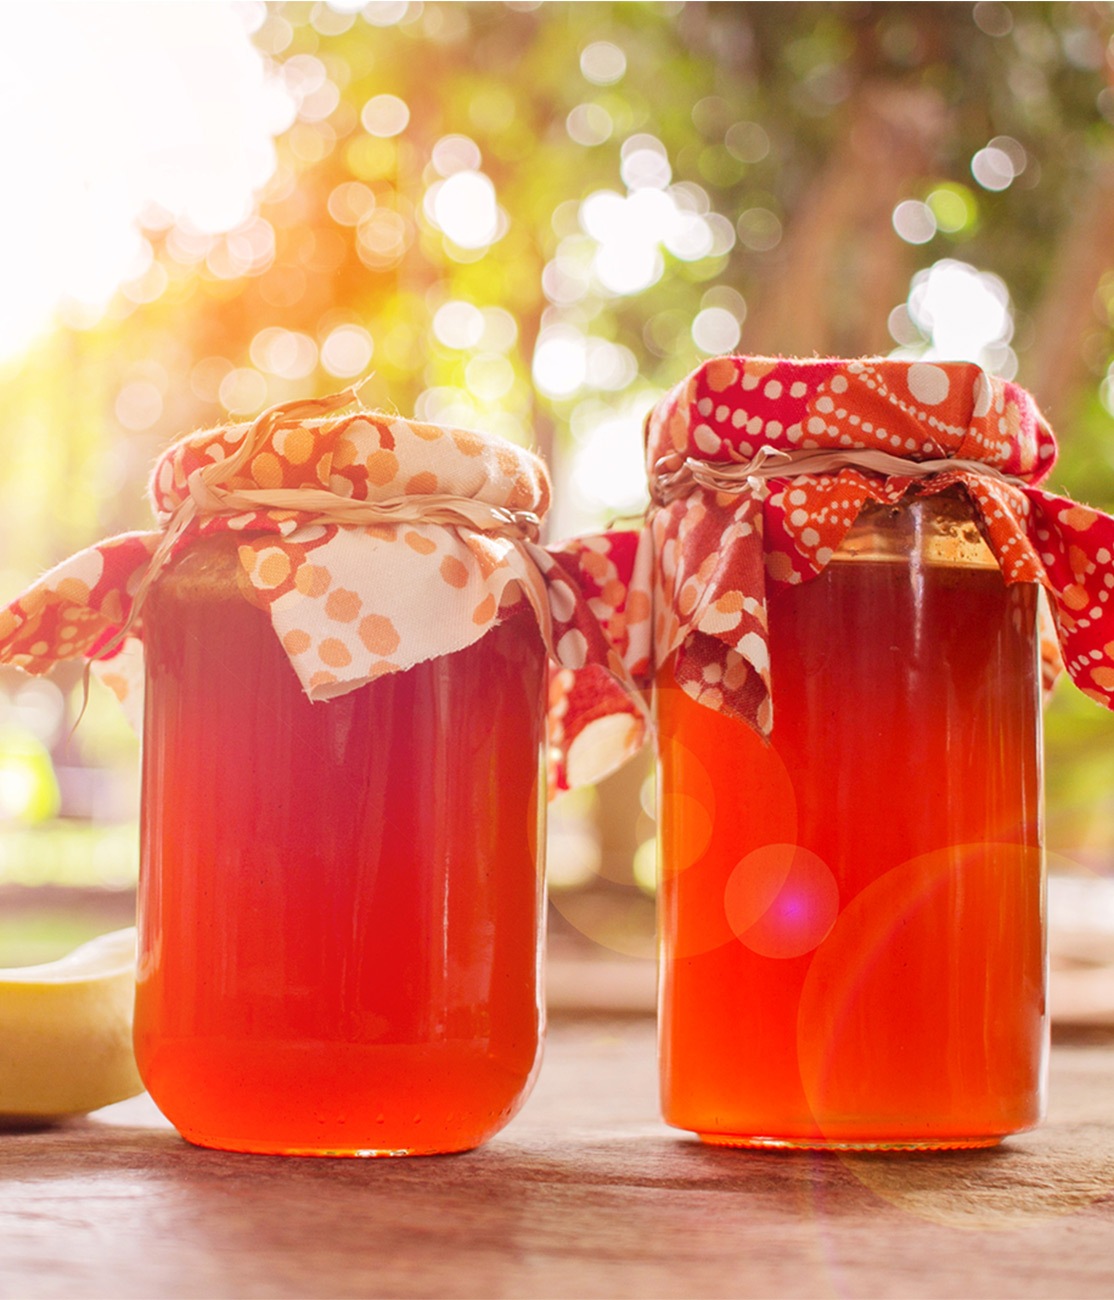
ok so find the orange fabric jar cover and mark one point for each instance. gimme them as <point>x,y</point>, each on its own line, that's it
<point>758,468</point>
<point>374,543</point>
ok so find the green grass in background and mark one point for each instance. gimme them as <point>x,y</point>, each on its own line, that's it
<point>72,854</point>
<point>44,922</point>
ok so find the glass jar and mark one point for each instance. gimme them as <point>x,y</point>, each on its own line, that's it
<point>851,915</point>
<point>340,907</point>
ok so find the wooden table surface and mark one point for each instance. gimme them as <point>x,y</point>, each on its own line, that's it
<point>586,1194</point>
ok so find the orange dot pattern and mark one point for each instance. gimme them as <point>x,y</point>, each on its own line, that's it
<point>350,603</point>
<point>706,561</point>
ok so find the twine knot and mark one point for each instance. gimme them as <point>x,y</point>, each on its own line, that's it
<point>675,475</point>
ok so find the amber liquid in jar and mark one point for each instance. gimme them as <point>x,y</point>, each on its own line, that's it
<point>852,915</point>
<point>340,903</point>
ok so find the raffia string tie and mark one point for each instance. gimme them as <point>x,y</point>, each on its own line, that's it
<point>208,497</point>
<point>675,476</point>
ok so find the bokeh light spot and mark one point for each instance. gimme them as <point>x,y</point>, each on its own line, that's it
<point>464,207</point>
<point>601,215</point>
<point>630,232</point>
<point>644,866</point>
<point>630,268</point>
<point>715,330</point>
<point>993,18</point>
<point>489,376</point>
<point>247,250</point>
<point>500,329</point>
<point>945,923</point>
<point>446,405</point>
<point>692,238</point>
<point>914,222</point>
<point>781,900</point>
<point>645,163</point>
<point>334,18</point>
<point>1014,151</point>
<point>731,300</point>
<point>28,785</point>
<point>385,115</point>
<point>965,315</point>
<point>243,391</point>
<point>207,376</point>
<point>285,353</point>
<point>603,63</point>
<point>350,202</point>
<point>611,366</point>
<point>347,351</point>
<point>138,405</point>
<point>458,324</point>
<point>304,74</point>
<point>609,472</point>
<point>382,239</point>
<point>371,157</point>
<point>954,208</point>
<point>384,13</point>
<point>901,327</point>
<point>149,286</point>
<point>992,168</point>
<point>589,124</point>
<point>747,141</point>
<point>560,361</point>
<point>759,230</point>
<point>456,153</point>
<point>691,821</point>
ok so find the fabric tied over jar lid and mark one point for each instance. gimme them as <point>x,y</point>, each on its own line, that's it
<point>760,466</point>
<point>373,542</point>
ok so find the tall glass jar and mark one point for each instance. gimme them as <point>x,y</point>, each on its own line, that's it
<point>852,913</point>
<point>340,902</point>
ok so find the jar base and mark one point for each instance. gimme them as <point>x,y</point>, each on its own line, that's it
<point>330,1098</point>
<point>323,1152</point>
<point>756,1142</point>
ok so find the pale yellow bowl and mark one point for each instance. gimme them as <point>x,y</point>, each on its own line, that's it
<point>66,1033</point>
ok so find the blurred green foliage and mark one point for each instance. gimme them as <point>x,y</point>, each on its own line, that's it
<point>658,181</point>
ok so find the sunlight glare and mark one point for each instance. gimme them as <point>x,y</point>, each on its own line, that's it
<point>631,231</point>
<point>560,361</point>
<point>138,405</point>
<point>609,472</point>
<point>629,267</point>
<point>137,105</point>
<point>964,314</point>
<point>463,207</point>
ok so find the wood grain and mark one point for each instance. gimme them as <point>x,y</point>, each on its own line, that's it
<point>585,1194</point>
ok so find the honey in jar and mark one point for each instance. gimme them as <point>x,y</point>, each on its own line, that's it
<point>844,562</point>
<point>340,902</point>
<point>851,911</point>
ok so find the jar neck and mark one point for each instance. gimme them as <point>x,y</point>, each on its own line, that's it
<point>943,529</point>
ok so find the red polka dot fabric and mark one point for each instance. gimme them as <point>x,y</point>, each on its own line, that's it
<point>351,603</point>
<point>706,558</point>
